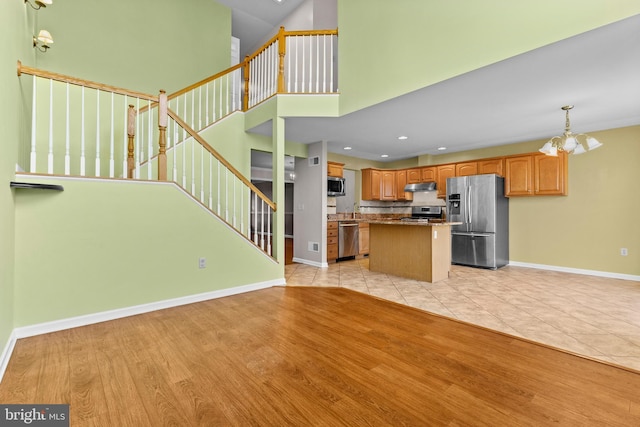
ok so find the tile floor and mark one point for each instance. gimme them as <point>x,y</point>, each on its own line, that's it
<point>592,316</point>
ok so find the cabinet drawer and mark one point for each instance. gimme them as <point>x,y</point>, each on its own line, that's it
<point>332,240</point>
<point>332,233</point>
<point>332,251</point>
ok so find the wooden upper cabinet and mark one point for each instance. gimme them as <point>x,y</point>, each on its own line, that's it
<point>414,176</point>
<point>401,181</point>
<point>388,186</point>
<point>442,173</point>
<point>518,176</point>
<point>466,168</point>
<point>428,174</point>
<point>371,183</point>
<point>550,175</point>
<point>491,166</point>
<point>335,169</point>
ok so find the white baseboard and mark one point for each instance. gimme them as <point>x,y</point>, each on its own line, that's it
<point>88,319</point>
<point>311,263</point>
<point>576,271</point>
<point>6,353</point>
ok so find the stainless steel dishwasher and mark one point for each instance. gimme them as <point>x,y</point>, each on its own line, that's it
<point>347,239</point>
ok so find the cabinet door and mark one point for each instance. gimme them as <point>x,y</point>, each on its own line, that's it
<point>414,176</point>
<point>550,175</point>
<point>444,172</point>
<point>335,169</point>
<point>370,184</point>
<point>401,181</point>
<point>519,176</point>
<point>491,166</point>
<point>466,168</point>
<point>428,174</point>
<point>363,239</point>
<point>388,185</point>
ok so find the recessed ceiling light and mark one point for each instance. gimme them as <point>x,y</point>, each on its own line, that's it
<point>385,155</point>
<point>442,148</point>
<point>402,137</point>
<point>347,148</point>
<point>278,1</point>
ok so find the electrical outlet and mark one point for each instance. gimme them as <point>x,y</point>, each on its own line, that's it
<point>624,251</point>
<point>202,263</point>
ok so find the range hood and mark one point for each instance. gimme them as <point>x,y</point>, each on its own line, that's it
<point>421,186</point>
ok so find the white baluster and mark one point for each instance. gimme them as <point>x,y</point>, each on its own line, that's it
<point>211,182</point>
<point>228,88</point>
<point>304,42</point>
<point>262,223</point>
<point>288,59</point>
<point>67,156</point>
<point>193,166</point>
<point>218,199</point>
<point>112,165</point>
<point>317,59</point>
<point>242,210</point>
<point>97,172</point>
<point>193,111</point>
<point>297,40</point>
<point>269,236</point>
<point>226,194</point>
<point>125,135</point>
<point>213,101</point>
<point>50,156</point>
<point>206,100</point>
<point>234,202</point>
<point>220,95</point>
<point>324,63</point>
<point>82,140</point>
<point>199,108</point>
<point>201,173</point>
<point>331,66</point>
<point>138,140</point>
<point>175,146</point>
<point>255,218</point>
<point>149,142</point>
<point>34,107</point>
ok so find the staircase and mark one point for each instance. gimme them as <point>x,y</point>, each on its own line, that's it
<point>81,128</point>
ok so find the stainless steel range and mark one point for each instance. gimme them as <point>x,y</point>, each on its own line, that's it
<point>424,213</point>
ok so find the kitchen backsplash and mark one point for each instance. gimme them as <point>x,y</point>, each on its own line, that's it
<point>370,207</point>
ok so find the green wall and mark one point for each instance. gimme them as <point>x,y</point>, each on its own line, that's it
<point>102,245</point>
<point>144,45</point>
<point>388,48</point>
<point>15,42</point>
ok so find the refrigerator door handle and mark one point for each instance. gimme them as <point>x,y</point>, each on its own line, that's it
<point>469,207</point>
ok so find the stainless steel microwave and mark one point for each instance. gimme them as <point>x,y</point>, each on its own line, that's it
<point>335,186</point>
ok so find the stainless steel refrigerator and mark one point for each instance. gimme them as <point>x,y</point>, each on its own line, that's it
<point>478,202</point>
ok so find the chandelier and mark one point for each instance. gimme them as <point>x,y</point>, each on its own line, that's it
<point>569,142</point>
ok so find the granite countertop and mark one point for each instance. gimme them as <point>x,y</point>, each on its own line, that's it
<point>416,223</point>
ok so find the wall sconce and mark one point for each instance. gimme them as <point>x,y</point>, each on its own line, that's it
<point>43,41</point>
<point>39,3</point>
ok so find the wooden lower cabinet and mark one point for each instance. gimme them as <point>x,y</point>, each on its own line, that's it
<point>363,238</point>
<point>332,240</point>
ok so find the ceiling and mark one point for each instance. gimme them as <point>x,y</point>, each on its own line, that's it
<point>511,101</point>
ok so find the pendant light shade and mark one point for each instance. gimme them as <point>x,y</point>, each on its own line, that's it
<point>569,142</point>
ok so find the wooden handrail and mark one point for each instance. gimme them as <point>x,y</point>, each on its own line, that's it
<point>221,159</point>
<point>23,69</point>
<point>311,33</point>
<point>204,81</point>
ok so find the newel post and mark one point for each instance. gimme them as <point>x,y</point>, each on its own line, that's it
<point>131,133</point>
<point>282,50</point>
<point>245,98</point>
<point>162,126</point>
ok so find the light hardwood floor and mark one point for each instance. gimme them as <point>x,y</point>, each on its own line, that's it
<point>592,316</point>
<point>312,357</point>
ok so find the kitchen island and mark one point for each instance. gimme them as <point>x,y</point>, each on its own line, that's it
<point>416,250</point>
